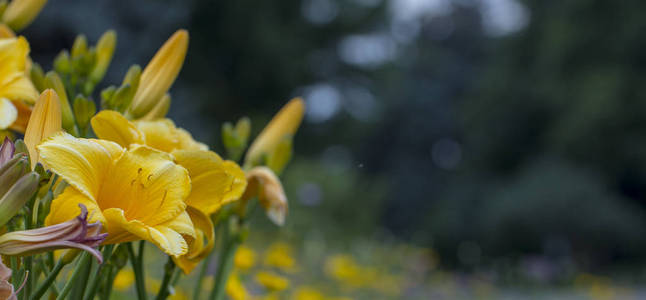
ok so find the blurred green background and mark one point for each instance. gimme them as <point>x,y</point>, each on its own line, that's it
<point>503,134</point>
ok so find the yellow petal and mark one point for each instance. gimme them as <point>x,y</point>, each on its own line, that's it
<point>159,111</point>
<point>13,57</point>
<point>198,250</point>
<point>24,113</point>
<point>164,237</point>
<point>147,185</point>
<point>20,88</point>
<point>66,207</point>
<point>160,73</point>
<point>160,134</point>
<point>14,63</point>
<point>45,120</point>
<point>8,113</point>
<point>264,184</point>
<point>165,136</point>
<point>111,125</point>
<point>284,123</point>
<point>83,163</point>
<point>20,13</point>
<point>186,141</point>
<point>214,182</point>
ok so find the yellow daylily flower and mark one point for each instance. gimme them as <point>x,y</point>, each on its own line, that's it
<point>44,121</point>
<point>159,74</point>
<point>16,89</point>
<point>283,125</point>
<point>136,193</point>
<point>20,13</point>
<point>214,181</point>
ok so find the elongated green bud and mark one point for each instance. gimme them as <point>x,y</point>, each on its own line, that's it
<point>20,13</point>
<point>79,48</point>
<point>14,199</point>
<point>104,52</point>
<point>37,77</point>
<point>53,81</point>
<point>84,109</point>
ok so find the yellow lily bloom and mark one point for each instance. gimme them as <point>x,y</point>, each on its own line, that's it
<point>159,74</point>
<point>214,181</point>
<point>136,193</point>
<point>20,13</point>
<point>284,124</point>
<point>16,89</point>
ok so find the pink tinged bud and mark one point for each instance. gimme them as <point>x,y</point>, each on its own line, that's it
<point>75,233</point>
<point>6,151</point>
<point>6,288</point>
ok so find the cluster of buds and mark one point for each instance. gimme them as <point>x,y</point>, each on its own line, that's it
<point>18,184</point>
<point>75,75</point>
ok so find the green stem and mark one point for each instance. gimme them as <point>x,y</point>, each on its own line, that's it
<point>138,269</point>
<point>83,262</point>
<point>232,241</point>
<point>107,288</point>
<point>48,272</point>
<point>200,277</point>
<point>164,289</point>
<point>96,276</point>
<point>79,287</point>
<point>26,294</point>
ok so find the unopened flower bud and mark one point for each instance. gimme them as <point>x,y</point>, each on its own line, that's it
<point>79,47</point>
<point>283,125</point>
<point>53,81</point>
<point>45,120</point>
<point>104,52</point>
<point>16,197</point>
<point>20,13</point>
<point>84,109</point>
<point>159,74</point>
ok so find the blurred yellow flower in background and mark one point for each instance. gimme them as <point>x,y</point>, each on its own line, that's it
<point>272,281</point>
<point>245,258</point>
<point>235,289</point>
<point>307,293</point>
<point>137,193</point>
<point>124,280</point>
<point>279,255</point>
<point>17,92</point>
